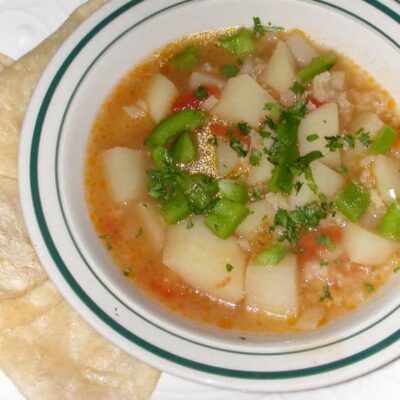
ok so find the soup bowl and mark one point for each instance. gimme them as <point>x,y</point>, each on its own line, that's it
<point>52,156</point>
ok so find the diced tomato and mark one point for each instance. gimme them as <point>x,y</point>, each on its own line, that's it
<point>190,101</point>
<point>222,131</point>
<point>308,242</point>
<point>161,290</point>
<point>317,103</point>
<point>186,101</point>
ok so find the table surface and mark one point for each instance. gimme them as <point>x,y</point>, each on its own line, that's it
<point>24,24</point>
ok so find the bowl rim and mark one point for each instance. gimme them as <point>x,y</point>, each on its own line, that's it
<point>29,180</point>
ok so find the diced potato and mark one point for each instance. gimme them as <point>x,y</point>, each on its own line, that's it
<point>243,99</point>
<point>154,226</point>
<point>369,122</point>
<point>261,172</point>
<point>203,79</point>
<point>301,49</point>
<point>274,289</point>
<point>227,158</point>
<point>304,196</point>
<point>364,247</point>
<point>200,258</point>
<point>258,213</point>
<point>387,175</point>
<point>160,97</point>
<point>280,72</point>
<point>125,173</point>
<point>328,181</point>
<point>324,121</point>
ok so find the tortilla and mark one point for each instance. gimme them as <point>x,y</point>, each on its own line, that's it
<point>45,347</point>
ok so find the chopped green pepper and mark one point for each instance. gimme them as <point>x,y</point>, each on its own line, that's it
<point>184,149</point>
<point>225,217</point>
<point>185,60</point>
<point>384,140</point>
<point>200,191</point>
<point>272,255</point>
<point>316,67</point>
<point>160,157</point>
<point>389,226</point>
<point>176,208</point>
<point>240,43</point>
<point>353,200</point>
<point>233,190</point>
<point>185,120</point>
<point>281,179</point>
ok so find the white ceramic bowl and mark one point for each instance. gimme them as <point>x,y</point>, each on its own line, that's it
<point>53,146</point>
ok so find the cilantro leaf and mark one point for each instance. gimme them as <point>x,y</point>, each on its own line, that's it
<point>201,93</point>
<point>326,294</point>
<point>255,157</point>
<point>244,128</point>
<point>259,29</point>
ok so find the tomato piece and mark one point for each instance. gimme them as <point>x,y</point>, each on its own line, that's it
<point>190,101</point>
<point>222,131</point>
<point>186,101</point>
<point>308,242</point>
<point>317,103</point>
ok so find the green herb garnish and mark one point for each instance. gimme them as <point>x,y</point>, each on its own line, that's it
<point>255,157</point>
<point>369,287</point>
<point>326,294</point>
<point>229,267</point>
<point>326,241</point>
<point>312,138</point>
<point>260,30</point>
<point>201,93</point>
<point>229,70</point>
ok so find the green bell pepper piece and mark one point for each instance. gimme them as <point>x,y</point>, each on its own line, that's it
<point>272,255</point>
<point>389,226</point>
<point>185,60</point>
<point>233,190</point>
<point>240,43</point>
<point>316,67</point>
<point>353,200</point>
<point>384,140</point>
<point>184,150</point>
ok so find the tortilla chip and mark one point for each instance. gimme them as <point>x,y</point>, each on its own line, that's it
<point>19,267</point>
<point>45,347</point>
<point>5,61</point>
<point>59,357</point>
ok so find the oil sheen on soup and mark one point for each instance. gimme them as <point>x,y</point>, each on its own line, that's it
<point>248,179</point>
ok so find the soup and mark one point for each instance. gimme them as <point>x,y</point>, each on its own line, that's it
<point>249,179</point>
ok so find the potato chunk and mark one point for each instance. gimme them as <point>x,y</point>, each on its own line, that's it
<point>160,96</point>
<point>125,173</point>
<point>328,181</point>
<point>364,247</point>
<point>324,121</point>
<point>243,99</point>
<point>301,49</point>
<point>387,174</point>
<point>280,72</point>
<point>259,211</point>
<point>273,289</point>
<point>152,223</point>
<point>200,258</point>
<point>227,158</point>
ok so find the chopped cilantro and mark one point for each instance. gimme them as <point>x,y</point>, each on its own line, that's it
<point>229,70</point>
<point>255,157</point>
<point>326,241</point>
<point>201,93</point>
<point>189,224</point>
<point>297,111</point>
<point>326,294</point>
<point>139,233</point>
<point>364,138</point>
<point>342,169</point>
<point>105,236</point>
<point>109,246</point>
<point>304,162</point>
<point>333,143</point>
<point>244,128</point>
<point>369,287</point>
<point>229,267</point>
<point>297,88</point>
<point>126,271</point>
<point>306,217</point>
<point>144,205</point>
<point>312,138</point>
<point>310,181</point>
<point>297,186</point>
<point>349,140</point>
<point>236,145</point>
<point>323,262</point>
